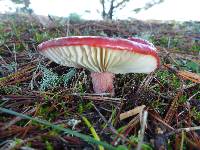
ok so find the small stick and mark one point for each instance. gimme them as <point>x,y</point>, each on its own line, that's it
<point>143,124</point>
<point>132,112</point>
<point>161,121</point>
<point>109,124</point>
<point>183,129</point>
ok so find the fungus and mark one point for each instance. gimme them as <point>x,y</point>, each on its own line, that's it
<point>102,56</point>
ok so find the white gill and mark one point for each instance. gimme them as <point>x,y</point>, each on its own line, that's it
<point>101,59</point>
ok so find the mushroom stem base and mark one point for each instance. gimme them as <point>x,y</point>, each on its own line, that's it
<point>102,82</point>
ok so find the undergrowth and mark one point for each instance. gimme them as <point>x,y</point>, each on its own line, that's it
<point>47,106</point>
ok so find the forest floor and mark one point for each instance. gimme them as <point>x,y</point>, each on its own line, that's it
<point>47,106</point>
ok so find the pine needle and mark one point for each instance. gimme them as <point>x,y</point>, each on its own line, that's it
<point>68,131</point>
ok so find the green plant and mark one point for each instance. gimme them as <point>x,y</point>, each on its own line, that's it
<point>158,105</point>
<point>183,99</point>
<point>66,77</point>
<point>51,79</point>
<point>12,89</point>
<point>163,41</point>
<point>48,145</point>
<point>145,35</point>
<point>168,79</point>
<point>74,17</point>
<point>145,146</point>
<point>195,47</point>
<point>83,107</point>
<point>189,65</point>
<point>39,37</point>
<point>68,131</point>
<point>195,113</point>
<point>44,112</point>
<point>9,67</point>
<point>92,130</point>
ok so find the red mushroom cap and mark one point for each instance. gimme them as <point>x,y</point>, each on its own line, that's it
<point>102,54</point>
<point>142,41</point>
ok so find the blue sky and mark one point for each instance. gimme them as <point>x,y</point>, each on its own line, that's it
<point>168,10</point>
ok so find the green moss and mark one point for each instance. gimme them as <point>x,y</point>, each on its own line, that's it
<point>82,107</point>
<point>12,89</point>
<point>135,139</point>
<point>45,112</point>
<point>183,99</point>
<point>49,145</point>
<point>195,47</point>
<point>195,113</point>
<point>39,37</point>
<point>168,79</point>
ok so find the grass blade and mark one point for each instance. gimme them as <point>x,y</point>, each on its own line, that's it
<point>94,133</point>
<point>77,134</point>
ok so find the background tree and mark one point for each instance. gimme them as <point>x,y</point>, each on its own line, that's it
<point>25,8</point>
<point>109,7</point>
<point>148,5</point>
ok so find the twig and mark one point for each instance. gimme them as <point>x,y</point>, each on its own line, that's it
<point>109,124</point>
<point>20,75</point>
<point>15,57</point>
<point>75,133</point>
<point>172,109</point>
<point>182,129</point>
<point>101,98</point>
<point>182,140</point>
<point>184,74</point>
<point>68,25</point>
<point>143,124</point>
<point>145,83</point>
<point>127,129</point>
<point>193,96</point>
<point>90,94</point>
<point>34,75</point>
<point>132,112</point>
<point>161,121</point>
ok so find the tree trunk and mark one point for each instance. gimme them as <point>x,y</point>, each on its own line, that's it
<point>110,12</point>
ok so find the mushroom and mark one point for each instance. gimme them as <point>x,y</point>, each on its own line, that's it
<point>102,56</point>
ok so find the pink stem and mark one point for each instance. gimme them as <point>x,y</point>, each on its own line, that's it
<point>102,82</point>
